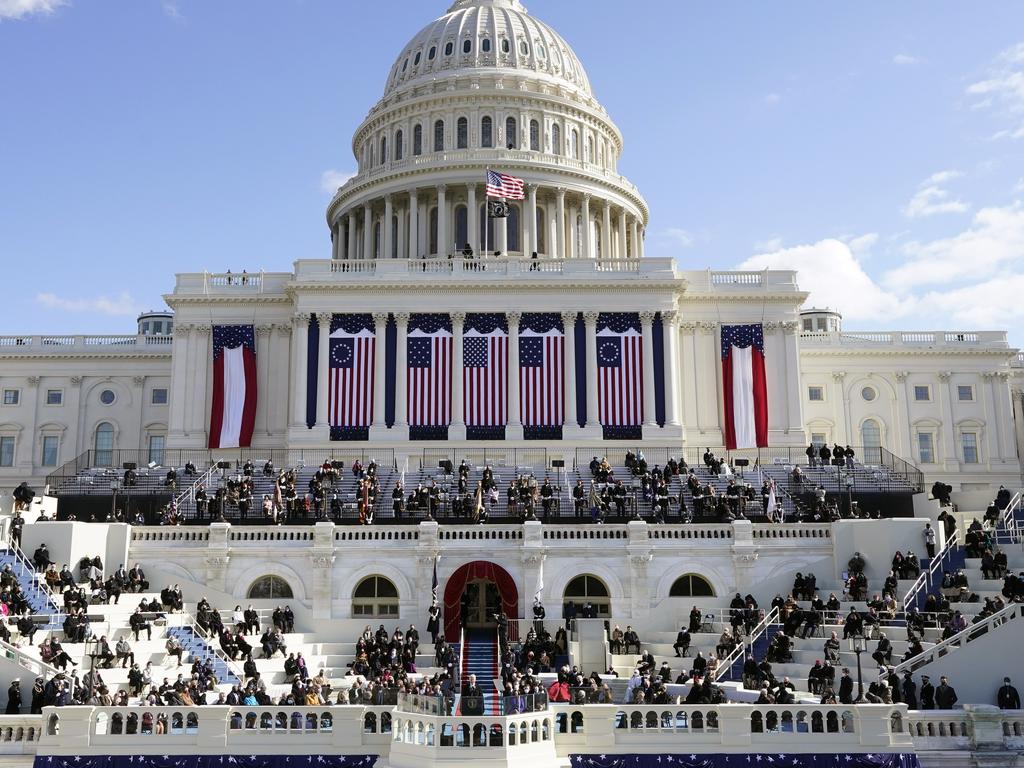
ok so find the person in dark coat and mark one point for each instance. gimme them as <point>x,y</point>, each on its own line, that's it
<point>1006,698</point>
<point>433,621</point>
<point>38,696</point>
<point>945,695</point>
<point>927,693</point>
<point>14,698</point>
<point>846,687</point>
<point>909,691</point>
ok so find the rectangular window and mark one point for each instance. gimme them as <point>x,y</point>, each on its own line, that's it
<point>925,450</point>
<point>156,449</point>
<point>818,438</point>
<point>808,324</point>
<point>822,324</point>
<point>815,394</point>
<point>922,393</point>
<point>385,609</point>
<point>7,451</point>
<point>159,396</point>
<point>362,610</point>
<point>965,393</point>
<point>12,396</point>
<point>51,444</point>
<point>969,443</point>
<point>55,397</point>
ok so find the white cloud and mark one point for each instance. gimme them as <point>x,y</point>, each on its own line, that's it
<point>1018,188</point>
<point>772,99</point>
<point>123,304</point>
<point>1003,91</point>
<point>172,11</point>
<point>833,276</point>
<point>18,9</point>
<point>905,59</point>
<point>994,303</point>
<point>862,243</point>
<point>993,244</point>
<point>680,238</point>
<point>332,179</point>
<point>933,198</point>
<point>768,246</point>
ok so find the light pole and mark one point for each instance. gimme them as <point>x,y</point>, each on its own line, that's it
<point>115,486</point>
<point>858,644</point>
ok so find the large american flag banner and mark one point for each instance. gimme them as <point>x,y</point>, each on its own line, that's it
<point>541,370</point>
<point>485,370</point>
<point>620,369</point>
<point>233,406</point>
<point>744,386</point>
<point>350,389</point>
<point>429,383</point>
<point>505,186</point>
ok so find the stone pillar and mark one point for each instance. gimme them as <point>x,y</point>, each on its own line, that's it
<point>442,220</point>
<point>401,373</point>
<point>181,376</point>
<point>670,339</point>
<point>606,232</point>
<point>586,234</point>
<point>561,252</point>
<point>621,250</point>
<point>321,561</point>
<point>350,253</point>
<point>300,341</point>
<point>336,241</point>
<point>204,353</point>
<point>640,555</point>
<point>472,219</point>
<point>569,328</point>
<point>744,556</point>
<point>590,318</point>
<point>634,237</point>
<point>380,320</point>
<point>218,556</point>
<point>323,363</point>
<point>264,365</point>
<point>388,241</point>
<point>367,231</point>
<point>414,225</point>
<point>650,412</point>
<point>640,242</point>
<point>457,429</point>
<point>531,226</point>
<point>514,430</point>
<point>572,251</point>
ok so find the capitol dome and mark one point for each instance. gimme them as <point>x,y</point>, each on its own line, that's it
<point>488,35</point>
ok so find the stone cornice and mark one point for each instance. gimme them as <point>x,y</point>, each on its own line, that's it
<point>905,351</point>
<point>112,354</point>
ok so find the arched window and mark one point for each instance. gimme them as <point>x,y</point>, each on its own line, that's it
<point>871,439</point>
<point>269,588</point>
<point>513,229</point>
<point>511,137</point>
<point>590,149</point>
<point>416,60</point>
<point>535,136</point>
<point>461,226</point>
<point>399,141</point>
<point>505,47</point>
<point>589,589</point>
<point>417,140</point>
<point>462,133</point>
<point>486,132</point>
<point>448,48</point>
<point>383,150</point>
<point>432,53</point>
<point>691,585</point>
<point>485,45</point>
<point>556,140</point>
<point>375,596</point>
<point>439,136</point>
<point>467,46</point>
<point>524,48</point>
<point>104,444</point>
<point>574,144</point>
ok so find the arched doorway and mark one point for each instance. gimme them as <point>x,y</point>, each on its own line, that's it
<point>469,586</point>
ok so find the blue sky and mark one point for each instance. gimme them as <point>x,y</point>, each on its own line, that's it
<point>876,146</point>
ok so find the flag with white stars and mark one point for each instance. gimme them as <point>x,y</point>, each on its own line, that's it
<point>485,371</point>
<point>203,761</point>
<point>429,371</point>
<point>620,369</point>
<point>744,386</point>
<point>541,370</point>
<point>233,407</point>
<point>745,759</point>
<point>353,351</point>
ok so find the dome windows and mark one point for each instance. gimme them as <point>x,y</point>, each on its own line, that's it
<point>462,133</point>
<point>439,136</point>
<point>405,64</point>
<point>534,136</point>
<point>485,45</point>
<point>506,47</point>
<point>542,52</point>
<point>449,48</point>
<point>399,141</point>
<point>467,45</point>
<point>416,61</point>
<point>417,140</point>
<point>383,150</point>
<point>486,132</point>
<point>511,134</point>
<point>432,53</point>
<point>556,139</point>
<point>524,48</point>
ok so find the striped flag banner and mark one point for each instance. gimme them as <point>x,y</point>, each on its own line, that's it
<point>353,348</point>
<point>485,371</point>
<point>504,186</point>
<point>620,370</point>
<point>541,370</point>
<point>233,406</point>
<point>429,382</point>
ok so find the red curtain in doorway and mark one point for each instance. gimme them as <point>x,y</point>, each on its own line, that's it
<point>478,569</point>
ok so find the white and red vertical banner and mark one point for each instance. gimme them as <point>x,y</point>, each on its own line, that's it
<point>233,407</point>
<point>744,386</point>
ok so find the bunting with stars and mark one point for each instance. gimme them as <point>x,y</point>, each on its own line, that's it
<point>205,761</point>
<point>749,760</point>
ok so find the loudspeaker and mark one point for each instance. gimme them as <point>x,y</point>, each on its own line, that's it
<point>557,463</point>
<point>742,462</point>
<point>223,465</point>
<point>130,465</point>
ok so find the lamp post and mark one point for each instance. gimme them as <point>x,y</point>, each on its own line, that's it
<point>858,644</point>
<point>115,486</point>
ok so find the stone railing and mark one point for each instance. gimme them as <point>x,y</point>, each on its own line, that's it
<point>947,339</point>
<point>71,344</point>
<point>481,269</point>
<point>19,734</point>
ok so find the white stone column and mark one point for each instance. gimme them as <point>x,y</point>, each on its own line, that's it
<point>588,246</point>
<point>633,236</point>
<point>367,231</point>
<point>180,377</point>
<point>336,241</point>
<point>569,382</point>
<point>531,211</point>
<point>323,363</point>
<point>606,232</point>
<point>572,251</point>
<point>204,353</point>
<point>501,236</point>
<point>388,242</point>
<point>650,411</point>
<point>670,339</point>
<point>457,429</point>
<point>551,222</point>
<point>300,340</point>
<point>351,253</point>
<point>514,430</point>
<point>442,220</point>
<point>414,225</point>
<point>380,321</point>
<point>590,319</point>
<point>401,373</point>
<point>561,253</point>
<point>621,251</point>
<point>264,365</point>
<point>472,219</point>
<point>640,242</point>
<point>403,231</point>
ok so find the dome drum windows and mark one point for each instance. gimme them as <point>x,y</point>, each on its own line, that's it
<point>416,59</point>
<point>462,133</point>
<point>485,45</point>
<point>534,136</point>
<point>399,144</point>
<point>467,45</point>
<point>506,46</point>
<point>439,136</point>
<point>417,140</point>
<point>449,48</point>
<point>524,48</point>
<point>375,596</point>
<point>511,134</point>
<point>486,132</point>
<point>432,53</point>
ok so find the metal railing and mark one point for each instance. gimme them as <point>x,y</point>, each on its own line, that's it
<point>1013,530</point>
<point>926,579</point>
<point>961,638</point>
<point>740,651</point>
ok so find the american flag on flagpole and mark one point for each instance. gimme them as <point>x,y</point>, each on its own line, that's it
<point>541,371</point>
<point>429,382</point>
<point>620,370</point>
<point>504,186</point>
<point>350,389</point>
<point>485,377</point>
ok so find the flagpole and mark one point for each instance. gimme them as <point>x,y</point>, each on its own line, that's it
<point>487,212</point>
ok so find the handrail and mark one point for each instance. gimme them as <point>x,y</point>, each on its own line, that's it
<point>772,617</point>
<point>925,579</point>
<point>189,492</point>
<point>198,631</point>
<point>26,566</point>
<point>1008,518</point>
<point>964,636</point>
<point>35,666</point>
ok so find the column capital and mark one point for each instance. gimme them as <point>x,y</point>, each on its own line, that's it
<point>708,328</point>
<point>838,375</point>
<point>284,328</point>
<point>380,317</point>
<point>203,329</point>
<point>513,318</point>
<point>532,188</point>
<point>401,318</point>
<point>457,317</point>
<point>590,318</point>
<point>263,329</point>
<point>689,325</point>
<point>76,381</point>
<point>442,188</point>
<point>182,329</point>
<point>902,375</point>
<point>646,318</point>
<point>301,317</point>
<point>587,196</point>
<point>324,318</point>
<point>366,206</point>
<point>560,193</point>
<point>569,317</point>
<point>33,380</point>
<point>387,198</point>
<point>138,381</point>
<point>945,375</point>
<point>669,317</point>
